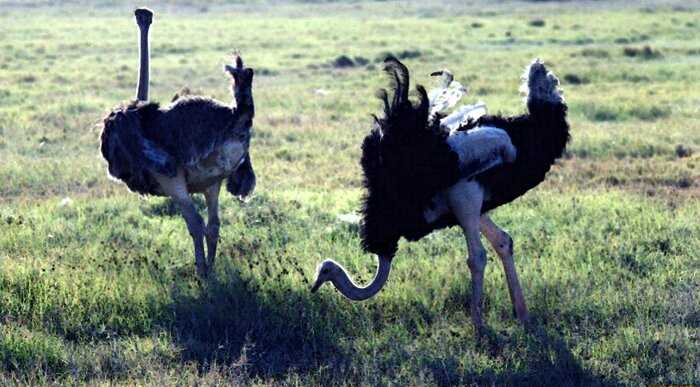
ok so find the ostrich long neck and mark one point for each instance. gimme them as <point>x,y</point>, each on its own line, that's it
<point>350,290</point>
<point>142,92</point>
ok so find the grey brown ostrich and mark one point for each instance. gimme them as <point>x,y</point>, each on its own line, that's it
<point>419,177</point>
<point>190,146</point>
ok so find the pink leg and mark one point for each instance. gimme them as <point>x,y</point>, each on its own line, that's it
<point>212,230</point>
<point>465,199</point>
<point>176,188</point>
<point>503,244</point>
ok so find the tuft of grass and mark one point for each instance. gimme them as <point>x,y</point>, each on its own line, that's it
<point>646,52</point>
<point>604,112</point>
<point>597,53</point>
<point>22,349</point>
<point>537,23</point>
<point>683,151</point>
<point>575,79</point>
<point>343,61</point>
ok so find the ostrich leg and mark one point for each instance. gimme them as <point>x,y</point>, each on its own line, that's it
<point>212,231</point>
<point>176,188</point>
<point>503,244</point>
<point>465,200</point>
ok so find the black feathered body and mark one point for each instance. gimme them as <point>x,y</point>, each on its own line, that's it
<point>408,164</point>
<point>402,174</point>
<point>194,136</point>
<point>540,138</point>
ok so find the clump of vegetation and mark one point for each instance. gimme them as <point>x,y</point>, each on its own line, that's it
<point>601,112</point>
<point>646,52</point>
<point>632,39</point>
<point>264,71</point>
<point>404,54</point>
<point>606,112</point>
<point>649,113</point>
<point>343,61</point>
<point>575,79</point>
<point>634,78</point>
<point>598,53</point>
<point>537,23</point>
<point>409,54</point>
<point>361,61</point>
<point>476,25</point>
<point>27,79</point>
<point>683,151</point>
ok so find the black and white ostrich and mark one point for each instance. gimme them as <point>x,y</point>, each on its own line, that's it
<point>420,177</point>
<point>190,146</point>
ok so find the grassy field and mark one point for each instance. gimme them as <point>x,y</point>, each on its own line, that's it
<point>97,285</point>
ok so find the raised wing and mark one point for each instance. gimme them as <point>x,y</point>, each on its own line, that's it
<point>447,94</point>
<point>465,115</point>
<point>481,149</point>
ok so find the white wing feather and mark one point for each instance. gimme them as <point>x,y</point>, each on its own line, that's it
<point>463,115</point>
<point>478,149</point>
<point>444,97</point>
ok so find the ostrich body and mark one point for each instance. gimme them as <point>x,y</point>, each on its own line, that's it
<point>420,177</point>
<point>188,147</point>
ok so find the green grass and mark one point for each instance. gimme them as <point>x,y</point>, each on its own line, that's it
<point>100,289</point>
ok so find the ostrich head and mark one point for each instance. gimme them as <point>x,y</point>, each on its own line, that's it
<point>328,270</point>
<point>144,17</point>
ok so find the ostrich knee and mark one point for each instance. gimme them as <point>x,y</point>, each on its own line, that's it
<point>503,244</point>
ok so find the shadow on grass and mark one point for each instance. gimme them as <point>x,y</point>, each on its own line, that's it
<point>266,333</point>
<point>549,360</point>
<point>166,207</point>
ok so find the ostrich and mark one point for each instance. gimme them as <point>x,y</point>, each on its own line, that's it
<point>188,147</point>
<point>420,177</point>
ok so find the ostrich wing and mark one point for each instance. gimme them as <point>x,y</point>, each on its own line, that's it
<point>446,96</point>
<point>130,155</point>
<point>481,149</point>
<point>463,116</point>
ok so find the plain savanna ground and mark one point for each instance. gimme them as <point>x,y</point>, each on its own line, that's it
<point>101,288</point>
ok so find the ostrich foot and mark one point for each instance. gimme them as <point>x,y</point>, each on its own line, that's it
<point>202,270</point>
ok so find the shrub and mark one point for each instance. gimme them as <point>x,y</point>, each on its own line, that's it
<point>646,52</point>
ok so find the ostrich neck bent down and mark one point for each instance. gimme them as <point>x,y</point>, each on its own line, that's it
<point>144,17</point>
<point>341,280</point>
